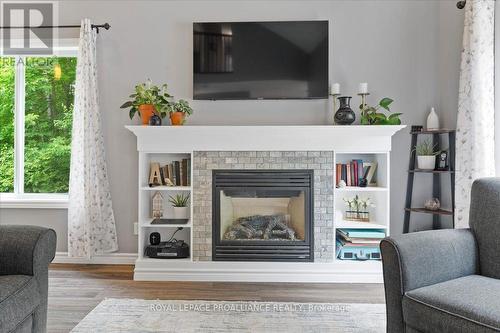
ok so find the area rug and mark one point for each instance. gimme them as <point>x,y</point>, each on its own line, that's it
<point>135,315</point>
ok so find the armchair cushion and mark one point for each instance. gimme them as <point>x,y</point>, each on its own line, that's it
<point>19,297</point>
<point>466,304</point>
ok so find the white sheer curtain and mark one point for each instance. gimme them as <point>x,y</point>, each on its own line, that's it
<point>475,142</point>
<point>91,222</point>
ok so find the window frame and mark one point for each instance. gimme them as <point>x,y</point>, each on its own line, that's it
<point>19,199</point>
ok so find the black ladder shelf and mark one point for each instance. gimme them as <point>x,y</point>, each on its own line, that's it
<point>436,184</point>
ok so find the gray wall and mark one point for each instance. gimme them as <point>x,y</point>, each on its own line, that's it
<point>407,50</point>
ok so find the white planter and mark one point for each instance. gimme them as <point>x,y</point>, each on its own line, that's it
<point>181,212</point>
<point>426,162</point>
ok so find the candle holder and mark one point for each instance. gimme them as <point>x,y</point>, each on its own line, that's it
<point>334,104</point>
<point>363,101</point>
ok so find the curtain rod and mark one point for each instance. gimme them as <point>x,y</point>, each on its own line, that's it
<point>461,4</point>
<point>94,26</point>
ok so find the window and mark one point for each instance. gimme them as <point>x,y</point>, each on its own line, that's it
<point>36,106</point>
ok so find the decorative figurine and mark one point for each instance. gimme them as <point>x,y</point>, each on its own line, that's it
<point>157,205</point>
<point>442,162</point>
<point>432,204</point>
<point>155,120</point>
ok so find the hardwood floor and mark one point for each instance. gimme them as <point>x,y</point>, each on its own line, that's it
<point>74,290</point>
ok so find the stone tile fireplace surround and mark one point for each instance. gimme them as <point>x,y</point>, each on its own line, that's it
<point>321,162</point>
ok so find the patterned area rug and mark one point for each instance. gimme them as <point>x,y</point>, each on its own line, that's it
<point>134,315</point>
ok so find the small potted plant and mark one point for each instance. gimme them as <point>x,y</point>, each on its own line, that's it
<point>180,205</point>
<point>426,155</point>
<point>148,100</point>
<point>179,111</point>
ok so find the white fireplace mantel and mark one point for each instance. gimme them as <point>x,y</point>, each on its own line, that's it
<point>247,138</point>
<point>169,143</point>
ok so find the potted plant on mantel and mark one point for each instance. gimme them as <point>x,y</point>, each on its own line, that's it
<point>370,115</point>
<point>179,111</point>
<point>426,155</point>
<point>148,100</point>
<point>180,205</point>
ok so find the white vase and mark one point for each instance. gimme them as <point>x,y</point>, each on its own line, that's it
<point>181,212</point>
<point>426,162</point>
<point>432,120</point>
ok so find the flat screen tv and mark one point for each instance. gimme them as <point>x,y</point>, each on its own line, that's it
<point>260,60</point>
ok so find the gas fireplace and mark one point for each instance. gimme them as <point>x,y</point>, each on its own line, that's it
<point>262,215</point>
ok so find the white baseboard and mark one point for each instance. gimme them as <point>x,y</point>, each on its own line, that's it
<point>102,259</point>
<point>220,271</point>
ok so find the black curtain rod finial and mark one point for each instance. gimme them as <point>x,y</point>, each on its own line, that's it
<point>461,4</point>
<point>97,26</point>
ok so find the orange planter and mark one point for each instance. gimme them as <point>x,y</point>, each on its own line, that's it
<point>177,118</point>
<point>146,111</point>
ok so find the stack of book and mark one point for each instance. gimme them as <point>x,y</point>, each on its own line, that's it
<point>178,172</point>
<point>359,244</point>
<point>350,172</point>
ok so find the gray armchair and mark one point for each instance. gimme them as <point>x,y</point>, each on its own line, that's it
<point>25,255</point>
<point>447,280</point>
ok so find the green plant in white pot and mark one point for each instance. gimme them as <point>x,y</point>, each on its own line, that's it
<point>426,155</point>
<point>180,205</point>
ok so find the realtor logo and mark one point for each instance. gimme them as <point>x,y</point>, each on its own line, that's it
<point>28,38</point>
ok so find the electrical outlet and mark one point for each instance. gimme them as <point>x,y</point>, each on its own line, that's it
<point>136,228</point>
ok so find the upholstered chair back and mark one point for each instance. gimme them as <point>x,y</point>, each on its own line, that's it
<point>484,222</point>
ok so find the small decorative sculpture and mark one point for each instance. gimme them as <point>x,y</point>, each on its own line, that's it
<point>342,183</point>
<point>432,204</point>
<point>442,160</point>
<point>157,205</point>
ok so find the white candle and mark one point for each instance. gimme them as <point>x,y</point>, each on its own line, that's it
<point>363,88</point>
<point>335,90</point>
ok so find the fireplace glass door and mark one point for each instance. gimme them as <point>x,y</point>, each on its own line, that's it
<point>258,215</point>
<point>262,215</point>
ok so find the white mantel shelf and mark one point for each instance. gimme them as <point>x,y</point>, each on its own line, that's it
<point>247,138</point>
<point>346,142</point>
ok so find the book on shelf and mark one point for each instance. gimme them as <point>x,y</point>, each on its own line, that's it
<point>176,173</point>
<point>354,171</point>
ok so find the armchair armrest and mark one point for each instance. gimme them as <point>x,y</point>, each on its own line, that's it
<point>420,259</point>
<point>26,250</point>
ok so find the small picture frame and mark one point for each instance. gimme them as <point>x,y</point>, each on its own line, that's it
<point>369,173</point>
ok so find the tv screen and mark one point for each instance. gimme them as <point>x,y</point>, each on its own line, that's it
<point>260,60</point>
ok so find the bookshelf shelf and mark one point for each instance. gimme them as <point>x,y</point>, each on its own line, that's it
<point>156,260</point>
<point>428,211</point>
<point>361,189</point>
<point>166,188</point>
<point>146,223</point>
<point>359,225</point>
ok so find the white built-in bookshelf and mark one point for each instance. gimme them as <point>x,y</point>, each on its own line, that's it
<point>166,144</point>
<point>145,228</point>
<point>379,194</point>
